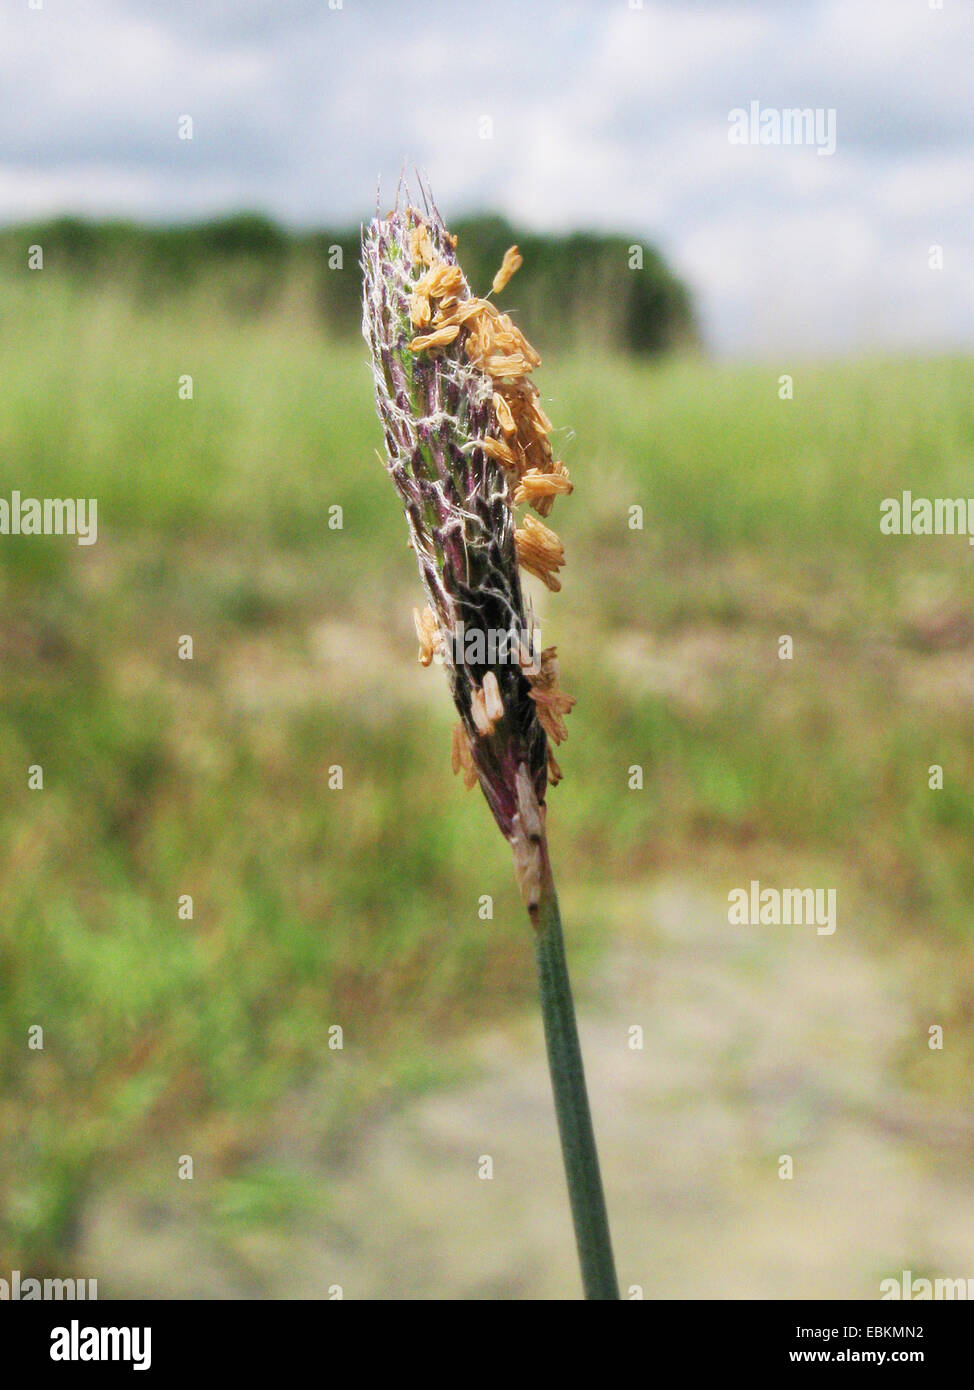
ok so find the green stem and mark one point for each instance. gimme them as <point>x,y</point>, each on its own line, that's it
<point>571,1099</point>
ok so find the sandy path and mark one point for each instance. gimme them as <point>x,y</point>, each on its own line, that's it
<point>756,1043</point>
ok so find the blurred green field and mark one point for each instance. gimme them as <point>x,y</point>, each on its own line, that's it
<point>358,906</point>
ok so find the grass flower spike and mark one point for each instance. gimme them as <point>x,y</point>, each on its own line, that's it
<point>465,438</point>
<point>467,441</point>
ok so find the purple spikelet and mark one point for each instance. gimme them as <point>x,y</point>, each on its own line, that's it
<point>440,359</point>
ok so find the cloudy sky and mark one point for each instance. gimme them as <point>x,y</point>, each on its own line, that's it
<point>596,113</point>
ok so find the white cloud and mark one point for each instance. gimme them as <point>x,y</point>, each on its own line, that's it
<point>603,117</point>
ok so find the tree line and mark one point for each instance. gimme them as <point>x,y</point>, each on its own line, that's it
<point>579,290</point>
